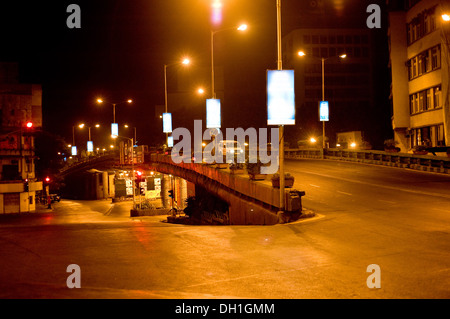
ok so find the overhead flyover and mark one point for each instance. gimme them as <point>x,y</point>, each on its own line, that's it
<point>250,202</point>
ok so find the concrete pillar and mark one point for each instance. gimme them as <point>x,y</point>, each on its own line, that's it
<point>105,184</point>
<point>165,187</point>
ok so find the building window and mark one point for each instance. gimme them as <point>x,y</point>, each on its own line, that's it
<point>306,39</point>
<point>436,57</point>
<point>316,52</point>
<point>425,62</point>
<point>332,52</point>
<point>421,102</point>
<point>429,103</point>
<point>421,25</point>
<point>425,100</point>
<point>440,135</point>
<point>437,97</point>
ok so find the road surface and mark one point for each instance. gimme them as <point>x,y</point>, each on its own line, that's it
<point>395,218</point>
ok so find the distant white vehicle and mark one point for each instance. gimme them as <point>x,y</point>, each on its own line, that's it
<point>230,147</point>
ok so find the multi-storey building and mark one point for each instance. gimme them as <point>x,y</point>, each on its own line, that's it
<point>348,83</point>
<point>19,104</point>
<point>419,62</point>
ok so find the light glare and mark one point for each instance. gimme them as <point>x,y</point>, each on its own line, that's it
<point>242,27</point>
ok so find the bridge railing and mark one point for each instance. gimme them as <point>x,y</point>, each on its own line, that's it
<point>429,163</point>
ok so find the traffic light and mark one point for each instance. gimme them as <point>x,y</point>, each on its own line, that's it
<point>47,179</point>
<point>171,193</point>
<point>29,124</point>
<point>25,185</point>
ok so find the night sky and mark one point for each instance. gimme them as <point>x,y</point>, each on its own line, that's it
<point>122,46</point>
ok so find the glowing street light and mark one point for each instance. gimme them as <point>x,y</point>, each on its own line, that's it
<point>241,28</point>
<point>342,56</point>
<point>129,101</point>
<point>185,61</point>
<point>446,17</point>
<point>90,144</point>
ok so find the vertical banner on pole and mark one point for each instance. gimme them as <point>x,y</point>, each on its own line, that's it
<point>169,141</point>
<point>74,150</point>
<point>324,112</point>
<point>280,97</point>
<point>114,129</point>
<point>213,113</point>
<point>167,122</point>
<point>90,146</point>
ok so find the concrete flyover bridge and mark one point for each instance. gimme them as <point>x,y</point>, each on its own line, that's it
<point>91,177</point>
<point>249,202</point>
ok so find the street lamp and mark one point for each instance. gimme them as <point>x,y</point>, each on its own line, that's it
<point>90,145</point>
<point>446,17</point>
<point>242,27</point>
<point>129,101</point>
<point>322,59</point>
<point>185,61</point>
<point>135,139</point>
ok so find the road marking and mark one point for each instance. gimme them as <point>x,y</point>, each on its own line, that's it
<point>314,185</point>
<point>344,193</point>
<point>420,192</point>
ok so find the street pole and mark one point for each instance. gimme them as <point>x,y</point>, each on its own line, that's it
<point>213,93</point>
<point>323,99</point>
<point>281,127</point>
<point>114,113</point>
<point>132,169</point>
<point>165,98</point>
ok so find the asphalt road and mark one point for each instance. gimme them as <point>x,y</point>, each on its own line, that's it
<point>395,218</point>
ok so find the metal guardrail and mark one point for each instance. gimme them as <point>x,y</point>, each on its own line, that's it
<point>428,163</point>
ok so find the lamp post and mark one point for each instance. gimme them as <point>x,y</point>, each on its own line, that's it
<point>129,101</point>
<point>82,125</point>
<point>185,61</point>
<point>135,139</point>
<point>132,166</point>
<point>242,27</point>
<point>322,59</point>
<point>280,127</point>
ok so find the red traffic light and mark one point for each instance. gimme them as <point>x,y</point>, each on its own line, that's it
<point>29,124</point>
<point>139,173</point>
<point>47,179</point>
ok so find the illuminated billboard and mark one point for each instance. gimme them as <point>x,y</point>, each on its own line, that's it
<point>167,122</point>
<point>74,150</point>
<point>324,111</point>
<point>90,146</point>
<point>169,141</point>
<point>114,129</point>
<point>280,97</point>
<point>213,113</point>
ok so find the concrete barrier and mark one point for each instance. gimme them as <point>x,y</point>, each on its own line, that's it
<point>250,202</point>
